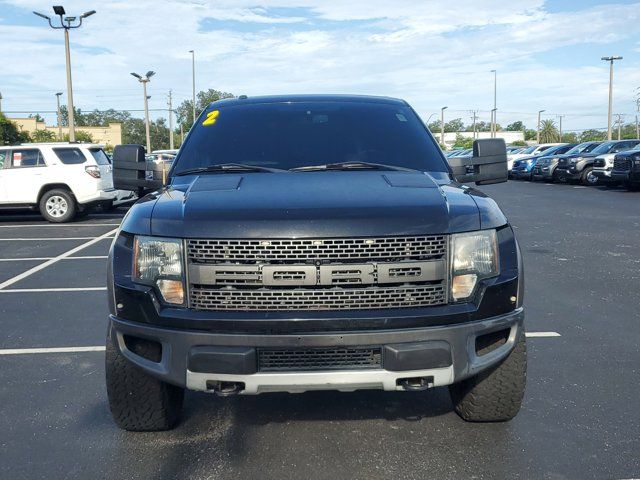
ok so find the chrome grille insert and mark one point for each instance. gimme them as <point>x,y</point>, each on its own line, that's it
<point>263,299</point>
<point>310,250</point>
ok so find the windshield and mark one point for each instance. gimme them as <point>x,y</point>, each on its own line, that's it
<point>298,134</point>
<point>529,149</point>
<point>603,147</point>
<point>583,147</point>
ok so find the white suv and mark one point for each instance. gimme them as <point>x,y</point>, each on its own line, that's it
<point>59,179</point>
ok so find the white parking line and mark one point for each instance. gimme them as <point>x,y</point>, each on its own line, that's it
<point>26,351</point>
<point>87,257</point>
<point>47,239</point>
<point>63,225</point>
<point>64,289</point>
<point>66,254</point>
<point>542,334</point>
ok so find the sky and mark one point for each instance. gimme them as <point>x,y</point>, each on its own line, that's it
<point>432,53</point>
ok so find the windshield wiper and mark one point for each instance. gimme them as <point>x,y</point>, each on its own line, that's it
<point>351,166</point>
<point>228,167</point>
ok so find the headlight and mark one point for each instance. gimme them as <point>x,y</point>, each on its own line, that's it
<point>158,262</point>
<point>576,160</point>
<point>474,255</point>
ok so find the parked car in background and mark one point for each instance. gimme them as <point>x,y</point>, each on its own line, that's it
<point>60,179</point>
<point>527,152</point>
<point>546,165</point>
<point>523,168</point>
<point>578,167</point>
<point>626,169</point>
<point>603,165</point>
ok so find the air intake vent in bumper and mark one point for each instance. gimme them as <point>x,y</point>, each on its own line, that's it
<point>299,360</point>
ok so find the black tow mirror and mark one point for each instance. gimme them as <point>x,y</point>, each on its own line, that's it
<point>131,171</point>
<point>487,165</point>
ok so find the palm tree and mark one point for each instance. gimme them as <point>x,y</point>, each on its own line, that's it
<point>548,131</point>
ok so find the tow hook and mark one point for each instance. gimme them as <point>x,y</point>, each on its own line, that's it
<point>415,383</point>
<point>225,389</point>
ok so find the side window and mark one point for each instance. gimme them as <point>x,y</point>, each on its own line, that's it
<point>26,158</point>
<point>621,147</point>
<point>99,156</point>
<point>70,156</point>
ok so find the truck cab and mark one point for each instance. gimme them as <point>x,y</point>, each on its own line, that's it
<point>313,242</point>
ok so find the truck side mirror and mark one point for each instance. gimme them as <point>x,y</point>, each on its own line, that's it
<point>131,171</point>
<point>488,164</point>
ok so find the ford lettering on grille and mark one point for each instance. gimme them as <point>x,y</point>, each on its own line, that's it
<point>324,275</point>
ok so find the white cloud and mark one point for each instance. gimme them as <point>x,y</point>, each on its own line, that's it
<point>431,53</point>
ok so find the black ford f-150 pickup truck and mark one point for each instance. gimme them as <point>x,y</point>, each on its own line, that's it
<point>313,242</point>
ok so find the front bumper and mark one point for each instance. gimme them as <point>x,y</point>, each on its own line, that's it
<point>197,360</point>
<point>602,175</point>
<point>567,174</point>
<point>628,176</point>
<point>543,172</point>
<point>521,174</point>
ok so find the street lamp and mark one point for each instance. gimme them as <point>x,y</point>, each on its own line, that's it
<point>442,124</point>
<point>59,116</point>
<point>193,77</point>
<point>494,112</point>
<point>610,59</point>
<point>144,80</point>
<point>67,23</point>
<point>538,130</point>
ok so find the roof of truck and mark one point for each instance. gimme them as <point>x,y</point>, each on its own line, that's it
<point>244,99</point>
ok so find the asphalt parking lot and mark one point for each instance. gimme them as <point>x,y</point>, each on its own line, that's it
<point>580,419</point>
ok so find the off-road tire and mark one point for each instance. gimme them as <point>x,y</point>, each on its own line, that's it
<point>138,401</point>
<point>69,202</point>
<point>494,395</point>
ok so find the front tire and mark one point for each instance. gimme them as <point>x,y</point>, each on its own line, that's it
<point>494,395</point>
<point>587,179</point>
<point>138,401</point>
<point>58,206</point>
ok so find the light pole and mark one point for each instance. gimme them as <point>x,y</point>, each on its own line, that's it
<point>144,80</point>
<point>494,112</point>
<point>560,127</point>
<point>193,77</point>
<point>59,117</point>
<point>0,102</point>
<point>609,117</point>
<point>538,129</point>
<point>442,124</point>
<point>67,23</point>
<point>170,120</point>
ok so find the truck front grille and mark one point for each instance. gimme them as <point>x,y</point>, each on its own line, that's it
<point>300,360</point>
<point>311,250</point>
<point>622,164</point>
<point>370,298</point>
<point>317,274</point>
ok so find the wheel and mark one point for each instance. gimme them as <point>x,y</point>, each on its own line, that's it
<point>58,206</point>
<point>587,178</point>
<point>494,395</point>
<point>632,187</point>
<point>138,401</point>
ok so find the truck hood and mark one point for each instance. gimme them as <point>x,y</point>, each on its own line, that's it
<point>312,204</point>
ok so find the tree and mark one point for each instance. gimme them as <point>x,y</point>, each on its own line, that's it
<point>516,127</point>
<point>455,125</point>
<point>78,116</point>
<point>9,132</point>
<point>519,143</point>
<point>548,131</point>
<point>43,136</point>
<point>570,137</point>
<point>463,142</point>
<point>434,126</point>
<point>530,134</point>
<point>81,136</point>
<point>184,112</point>
<point>37,117</point>
<point>593,135</point>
